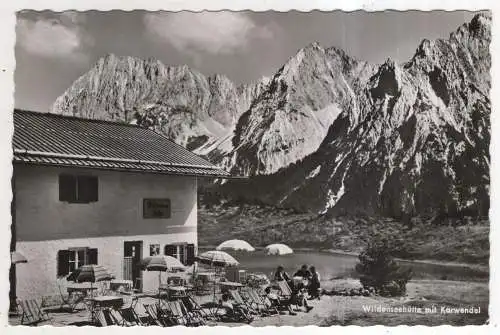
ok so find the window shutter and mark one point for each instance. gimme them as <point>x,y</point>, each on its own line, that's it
<point>87,189</point>
<point>171,250</point>
<point>67,188</point>
<point>92,256</point>
<point>182,254</point>
<point>63,262</point>
<point>190,254</point>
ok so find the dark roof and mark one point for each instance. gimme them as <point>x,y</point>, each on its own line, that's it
<point>50,139</point>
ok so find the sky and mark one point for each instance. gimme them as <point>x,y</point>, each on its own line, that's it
<point>53,49</point>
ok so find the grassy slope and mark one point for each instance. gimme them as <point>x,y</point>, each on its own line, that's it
<point>420,294</point>
<point>263,225</point>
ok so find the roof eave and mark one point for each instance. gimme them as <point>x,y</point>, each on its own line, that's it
<point>146,171</point>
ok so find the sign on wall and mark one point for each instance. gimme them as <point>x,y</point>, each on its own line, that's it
<point>156,209</point>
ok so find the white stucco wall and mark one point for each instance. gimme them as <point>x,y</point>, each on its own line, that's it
<point>45,225</point>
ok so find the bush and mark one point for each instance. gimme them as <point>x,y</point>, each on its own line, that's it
<point>379,270</point>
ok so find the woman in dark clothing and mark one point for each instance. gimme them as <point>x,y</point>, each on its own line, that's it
<point>299,298</point>
<point>303,272</point>
<point>314,283</point>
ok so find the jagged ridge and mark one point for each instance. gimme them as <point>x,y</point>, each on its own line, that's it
<point>416,144</point>
<point>327,132</point>
<point>180,102</point>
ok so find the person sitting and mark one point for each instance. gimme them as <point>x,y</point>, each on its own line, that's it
<point>234,311</point>
<point>226,303</point>
<point>299,298</point>
<point>281,274</point>
<point>314,283</point>
<point>303,272</point>
<point>273,298</point>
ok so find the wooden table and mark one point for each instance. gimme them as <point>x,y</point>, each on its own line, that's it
<point>174,291</point>
<point>82,288</point>
<point>226,286</point>
<point>103,301</point>
<point>231,284</point>
<point>107,301</point>
<point>206,276</point>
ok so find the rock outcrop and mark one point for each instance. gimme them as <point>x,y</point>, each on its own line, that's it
<point>414,141</point>
<point>326,133</point>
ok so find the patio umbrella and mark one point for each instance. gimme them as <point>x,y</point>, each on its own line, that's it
<point>217,258</point>
<point>16,258</point>
<point>235,245</point>
<point>161,264</point>
<point>278,249</point>
<point>90,274</point>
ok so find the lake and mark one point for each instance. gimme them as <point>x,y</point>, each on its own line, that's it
<point>335,265</point>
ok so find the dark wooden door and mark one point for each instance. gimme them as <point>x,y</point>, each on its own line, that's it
<point>133,251</point>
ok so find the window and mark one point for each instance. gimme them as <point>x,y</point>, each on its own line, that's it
<point>78,189</point>
<point>154,249</point>
<point>156,209</point>
<point>183,252</point>
<point>71,259</point>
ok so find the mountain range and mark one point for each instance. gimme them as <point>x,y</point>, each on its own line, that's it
<point>326,133</point>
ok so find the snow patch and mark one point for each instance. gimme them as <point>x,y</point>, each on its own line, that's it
<point>314,172</point>
<point>333,198</point>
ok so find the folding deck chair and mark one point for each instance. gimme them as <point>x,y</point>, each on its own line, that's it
<point>102,319</point>
<point>234,315</point>
<point>193,307</point>
<point>142,314</point>
<point>194,316</point>
<point>158,316</point>
<point>240,302</point>
<point>285,294</point>
<point>119,320</point>
<point>261,304</point>
<point>32,312</point>
<point>181,315</point>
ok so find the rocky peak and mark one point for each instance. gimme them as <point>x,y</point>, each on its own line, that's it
<point>478,27</point>
<point>387,80</point>
<point>291,117</point>
<point>409,140</point>
<point>307,57</point>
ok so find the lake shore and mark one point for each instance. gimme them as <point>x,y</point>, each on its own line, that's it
<point>407,310</point>
<point>480,267</point>
<point>457,244</point>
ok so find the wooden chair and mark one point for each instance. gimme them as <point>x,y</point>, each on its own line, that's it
<point>175,310</point>
<point>240,302</point>
<point>32,313</point>
<point>157,316</point>
<point>193,307</point>
<point>130,315</point>
<point>235,314</point>
<point>103,318</point>
<point>191,314</point>
<point>143,315</point>
<point>260,304</point>
<point>119,320</point>
<point>71,301</point>
<point>100,319</point>
<point>286,294</point>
